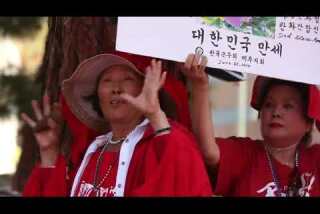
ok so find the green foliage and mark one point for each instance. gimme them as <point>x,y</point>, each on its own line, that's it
<point>256,25</point>
<point>16,93</point>
<point>216,21</point>
<point>20,26</point>
<point>263,26</point>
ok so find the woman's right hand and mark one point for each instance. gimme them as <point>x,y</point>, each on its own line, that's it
<point>194,70</point>
<point>47,129</point>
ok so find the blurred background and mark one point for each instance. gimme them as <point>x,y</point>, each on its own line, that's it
<point>22,41</point>
<point>38,53</point>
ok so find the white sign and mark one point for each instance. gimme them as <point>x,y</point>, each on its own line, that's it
<point>281,47</point>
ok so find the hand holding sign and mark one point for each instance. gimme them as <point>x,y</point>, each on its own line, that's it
<point>194,69</point>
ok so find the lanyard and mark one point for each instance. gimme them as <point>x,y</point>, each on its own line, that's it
<point>293,186</point>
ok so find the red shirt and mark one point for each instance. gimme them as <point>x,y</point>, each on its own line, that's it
<point>244,169</point>
<point>106,176</point>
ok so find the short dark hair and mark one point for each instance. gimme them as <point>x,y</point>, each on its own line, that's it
<point>93,99</point>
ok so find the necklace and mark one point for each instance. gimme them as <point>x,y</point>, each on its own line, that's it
<point>99,160</point>
<point>294,184</point>
<point>113,142</point>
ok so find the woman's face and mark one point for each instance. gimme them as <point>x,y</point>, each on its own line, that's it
<point>282,119</point>
<point>114,81</point>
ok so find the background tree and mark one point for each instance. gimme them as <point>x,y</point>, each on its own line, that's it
<point>20,26</point>
<point>17,90</point>
<point>70,40</point>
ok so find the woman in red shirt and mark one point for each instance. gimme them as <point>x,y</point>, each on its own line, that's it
<point>285,163</point>
<point>140,152</point>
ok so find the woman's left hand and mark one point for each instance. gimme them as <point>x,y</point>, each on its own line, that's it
<point>148,100</point>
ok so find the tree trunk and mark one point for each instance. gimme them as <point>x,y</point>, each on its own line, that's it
<point>69,42</point>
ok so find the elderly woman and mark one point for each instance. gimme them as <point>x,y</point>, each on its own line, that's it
<point>144,154</point>
<point>284,163</point>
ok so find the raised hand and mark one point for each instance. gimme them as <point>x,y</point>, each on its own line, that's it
<point>47,128</point>
<point>194,69</point>
<point>148,101</point>
<point>202,123</point>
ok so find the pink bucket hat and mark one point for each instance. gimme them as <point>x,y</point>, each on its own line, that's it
<point>83,81</point>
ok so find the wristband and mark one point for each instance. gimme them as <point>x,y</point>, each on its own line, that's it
<point>162,130</point>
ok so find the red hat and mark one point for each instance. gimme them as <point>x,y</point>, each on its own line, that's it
<point>83,81</point>
<point>314,98</point>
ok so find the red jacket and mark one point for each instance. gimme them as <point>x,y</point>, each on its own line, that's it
<point>166,165</point>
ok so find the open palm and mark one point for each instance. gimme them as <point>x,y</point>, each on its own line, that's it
<point>46,127</point>
<point>148,101</point>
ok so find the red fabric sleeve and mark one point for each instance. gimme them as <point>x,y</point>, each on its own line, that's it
<point>172,166</point>
<point>82,135</point>
<point>48,181</point>
<point>52,181</point>
<point>235,154</point>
